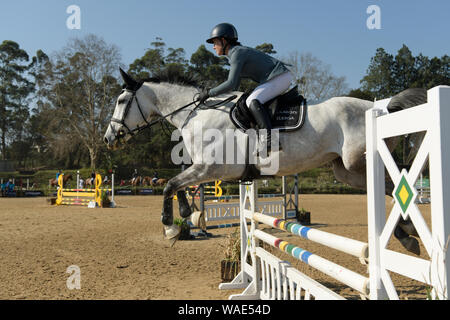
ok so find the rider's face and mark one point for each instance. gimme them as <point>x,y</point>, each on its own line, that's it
<point>218,46</point>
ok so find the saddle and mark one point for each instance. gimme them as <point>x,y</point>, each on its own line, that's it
<point>287,112</point>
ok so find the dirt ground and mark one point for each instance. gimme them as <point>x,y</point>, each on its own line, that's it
<point>122,255</point>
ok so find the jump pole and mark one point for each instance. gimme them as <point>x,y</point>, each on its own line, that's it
<point>350,246</point>
<point>113,204</point>
<point>340,273</point>
<point>78,180</point>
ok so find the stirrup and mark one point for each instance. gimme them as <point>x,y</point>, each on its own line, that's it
<point>263,144</point>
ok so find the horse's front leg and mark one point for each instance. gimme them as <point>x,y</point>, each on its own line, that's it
<point>196,173</point>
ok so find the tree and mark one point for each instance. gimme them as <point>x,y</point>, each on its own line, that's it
<point>82,96</point>
<point>432,72</point>
<point>315,80</point>
<point>37,126</point>
<point>379,77</point>
<point>176,56</point>
<point>151,63</point>
<point>388,75</point>
<point>405,72</point>
<point>266,48</point>
<point>14,91</point>
<point>208,67</point>
<point>360,94</point>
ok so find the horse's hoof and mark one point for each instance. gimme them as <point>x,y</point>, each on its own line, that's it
<point>409,228</point>
<point>411,244</point>
<point>172,232</point>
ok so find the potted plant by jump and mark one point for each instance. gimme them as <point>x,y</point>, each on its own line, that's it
<point>185,229</point>
<point>106,203</point>
<point>230,265</point>
<point>304,217</point>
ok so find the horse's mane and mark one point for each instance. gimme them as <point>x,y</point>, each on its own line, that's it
<point>175,77</point>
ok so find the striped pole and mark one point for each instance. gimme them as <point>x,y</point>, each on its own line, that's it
<point>113,204</point>
<point>344,275</point>
<point>82,190</point>
<point>78,179</point>
<point>350,246</point>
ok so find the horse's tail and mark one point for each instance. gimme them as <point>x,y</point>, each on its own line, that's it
<point>404,100</point>
<point>407,99</point>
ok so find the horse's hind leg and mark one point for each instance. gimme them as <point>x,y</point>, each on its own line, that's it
<point>354,179</point>
<point>404,228</point>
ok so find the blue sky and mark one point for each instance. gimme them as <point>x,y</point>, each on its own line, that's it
<point>333,31</point>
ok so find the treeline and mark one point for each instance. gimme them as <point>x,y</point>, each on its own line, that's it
<point>54,109</point>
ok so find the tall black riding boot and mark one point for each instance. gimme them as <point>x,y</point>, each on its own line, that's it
<point>262,119</point>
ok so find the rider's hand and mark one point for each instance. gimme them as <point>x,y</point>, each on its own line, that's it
<point>203,96</point>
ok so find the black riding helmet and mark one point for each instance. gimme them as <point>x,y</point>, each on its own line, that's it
<point>223,30</point>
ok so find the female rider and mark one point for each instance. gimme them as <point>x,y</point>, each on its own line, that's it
<point>271,74</point>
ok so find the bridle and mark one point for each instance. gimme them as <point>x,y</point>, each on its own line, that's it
<point>121,134</point>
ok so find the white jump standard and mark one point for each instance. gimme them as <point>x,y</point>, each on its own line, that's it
<point>431,117</point>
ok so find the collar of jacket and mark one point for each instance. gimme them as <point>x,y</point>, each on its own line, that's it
<point>230,52</point>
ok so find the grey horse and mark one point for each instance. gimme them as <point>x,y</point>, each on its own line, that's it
<point>333,131</point>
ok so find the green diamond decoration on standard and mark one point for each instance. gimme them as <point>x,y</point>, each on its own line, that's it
<point>404,194</point>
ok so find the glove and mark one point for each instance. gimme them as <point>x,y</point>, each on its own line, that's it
<point>203,96</point>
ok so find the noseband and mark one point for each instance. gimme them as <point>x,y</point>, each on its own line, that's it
<point>131,132</point>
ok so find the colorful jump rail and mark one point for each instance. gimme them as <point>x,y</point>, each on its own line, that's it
<point>278,279</point>
<point>350,246</point>
<point>81,197</point>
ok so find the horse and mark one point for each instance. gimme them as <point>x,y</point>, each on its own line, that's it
<point>146,181</point>
<point>89,182</point>
<point>136,181</point>
<point>159,182</point>
<point>54,182</point>
<point>333,131</point>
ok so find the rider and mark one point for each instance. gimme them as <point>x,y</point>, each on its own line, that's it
<point>92,177</point>
<point>135,174</point>
<point>155,177</point>
<point>271,74</point>
<point>57,174</point>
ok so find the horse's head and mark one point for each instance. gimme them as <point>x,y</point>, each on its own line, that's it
<point>134,109</point>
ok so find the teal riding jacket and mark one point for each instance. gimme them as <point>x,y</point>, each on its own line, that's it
<point>246,62</point>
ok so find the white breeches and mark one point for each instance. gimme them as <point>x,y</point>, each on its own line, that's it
<point>272,88</point>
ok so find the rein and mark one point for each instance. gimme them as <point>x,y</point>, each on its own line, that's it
<point>122,134</point>
<point>205,107</point>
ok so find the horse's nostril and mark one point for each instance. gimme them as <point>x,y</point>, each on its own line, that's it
<point>106,140</point>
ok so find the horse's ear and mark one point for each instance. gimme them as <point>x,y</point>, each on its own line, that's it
<point>129,81</point>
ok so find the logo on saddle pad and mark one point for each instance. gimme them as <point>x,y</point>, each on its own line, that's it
<point>287,112</point>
